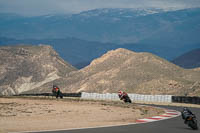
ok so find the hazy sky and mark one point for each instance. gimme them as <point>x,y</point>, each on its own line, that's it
<point>41,7</point>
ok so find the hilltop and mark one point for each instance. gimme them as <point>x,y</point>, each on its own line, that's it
<point>26,67</point>
<point>142,73</point>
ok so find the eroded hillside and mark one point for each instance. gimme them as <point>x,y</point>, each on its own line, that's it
<point>36,70</point>
<point>135,72</point>
<point>24,68</point>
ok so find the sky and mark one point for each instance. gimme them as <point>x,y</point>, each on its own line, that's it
<point>43,7</point>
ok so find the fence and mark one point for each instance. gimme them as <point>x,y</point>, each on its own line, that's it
<point>50,94</point>
<point>133,97</point>
<point>183,99</point>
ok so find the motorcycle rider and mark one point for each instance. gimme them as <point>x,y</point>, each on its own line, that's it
<point>186,113</point>
<point>122,94</point>
<point>56,91</point>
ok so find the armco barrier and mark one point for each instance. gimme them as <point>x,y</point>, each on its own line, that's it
<point>72,94</point>
<point>35,94</point>
<point>184,99</point>
<point>50,94</point>
<point>133,97</point>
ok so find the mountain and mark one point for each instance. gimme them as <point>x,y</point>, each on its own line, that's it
<point>167,34</point>
<point>116,25</point>
<point>190,59</point>
<point>80,52</point>
<point>95,25</point>
<point>141,72</point>
<point>26,67</point>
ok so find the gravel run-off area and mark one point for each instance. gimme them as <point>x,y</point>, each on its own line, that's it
<point>35,114</point>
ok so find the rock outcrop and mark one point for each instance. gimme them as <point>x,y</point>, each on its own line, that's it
<point>26,67</point>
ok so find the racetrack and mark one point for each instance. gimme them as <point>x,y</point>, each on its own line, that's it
<point>174,125</point>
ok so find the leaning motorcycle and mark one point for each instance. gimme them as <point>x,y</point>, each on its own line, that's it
<point>192,122</point>
<point>125,98</point>
<point>57,93</point>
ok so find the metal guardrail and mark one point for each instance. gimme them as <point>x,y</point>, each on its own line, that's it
<point>133,97</point>
<point>184,99</point>
<point>174,99</point>
<point>51,94</point>
<point>144,98</point>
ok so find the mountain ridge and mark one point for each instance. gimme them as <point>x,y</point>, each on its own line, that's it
<point>167,34</point>
<point>133,72</point>
<point>111,26</point>
<point>80,53</point>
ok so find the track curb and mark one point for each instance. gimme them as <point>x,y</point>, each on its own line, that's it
<point>167,115</point>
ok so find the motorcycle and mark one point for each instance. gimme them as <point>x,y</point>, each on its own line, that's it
<point>191,121</point>
<point>57,93</point>
<point>125,98</point>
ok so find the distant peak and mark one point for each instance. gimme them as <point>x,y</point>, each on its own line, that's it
<point>123,50</point>
<point>120,52</point>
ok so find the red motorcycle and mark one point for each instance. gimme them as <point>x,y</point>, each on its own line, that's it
<point>124,96</point>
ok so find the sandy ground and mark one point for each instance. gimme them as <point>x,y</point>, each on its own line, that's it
<point>33,114</point>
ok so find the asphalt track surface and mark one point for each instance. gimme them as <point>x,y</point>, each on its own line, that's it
<point>173,125</point>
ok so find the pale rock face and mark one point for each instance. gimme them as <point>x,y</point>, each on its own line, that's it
<point>25,68</point>
<point>24,83</point>
<point>8,91</point>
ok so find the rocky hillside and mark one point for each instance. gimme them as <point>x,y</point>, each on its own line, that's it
<point>135,72</point>
<point>24,68</point>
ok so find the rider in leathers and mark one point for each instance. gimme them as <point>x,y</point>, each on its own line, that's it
<point>186,113</point>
